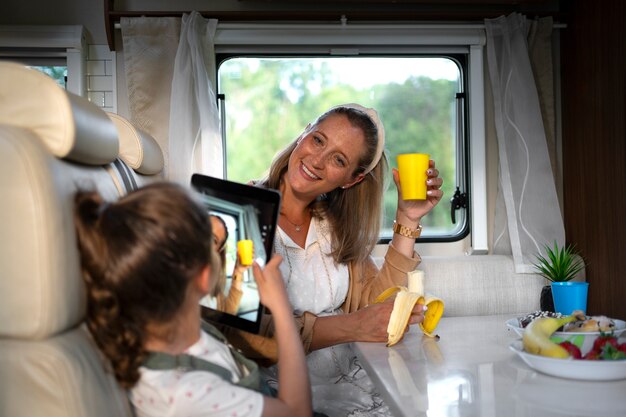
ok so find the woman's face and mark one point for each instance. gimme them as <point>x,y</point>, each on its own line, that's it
<point>219,232</point>
<point>326,157</point>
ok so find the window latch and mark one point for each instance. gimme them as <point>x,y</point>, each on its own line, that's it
<point>458,201</point>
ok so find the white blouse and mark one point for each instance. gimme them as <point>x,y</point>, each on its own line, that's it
<point>339,385</point>
<point>314,282</point>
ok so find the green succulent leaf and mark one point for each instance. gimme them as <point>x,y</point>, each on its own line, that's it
<point>560,264</point>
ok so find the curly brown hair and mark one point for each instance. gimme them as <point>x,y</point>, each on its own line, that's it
<point>138,256</point>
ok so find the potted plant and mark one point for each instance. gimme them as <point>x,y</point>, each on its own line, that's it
<point>559,265</point>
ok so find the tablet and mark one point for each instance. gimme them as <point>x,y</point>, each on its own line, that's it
<point>247,213</point>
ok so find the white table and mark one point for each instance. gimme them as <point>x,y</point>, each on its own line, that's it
<point>471,371</point>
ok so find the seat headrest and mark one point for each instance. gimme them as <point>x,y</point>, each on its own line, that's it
<point>70,126</point>
<point>138,149</point>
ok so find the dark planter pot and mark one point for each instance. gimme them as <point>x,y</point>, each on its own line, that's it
<point>545,301</point>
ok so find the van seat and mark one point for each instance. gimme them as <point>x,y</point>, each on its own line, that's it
<point>138,149</point>
<point>52,143</point>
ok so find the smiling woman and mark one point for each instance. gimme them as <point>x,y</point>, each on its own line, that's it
<point>331,179</point>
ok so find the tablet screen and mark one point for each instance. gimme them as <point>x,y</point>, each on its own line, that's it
<point>238,212</point>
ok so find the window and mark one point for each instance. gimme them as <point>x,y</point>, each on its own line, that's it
<point>283,65</point>
<point>270,100</point>
<point>57,72</point>
<point>58,51</point>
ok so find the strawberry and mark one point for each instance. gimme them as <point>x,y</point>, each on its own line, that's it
<point>622,347</point>
<point>602,340</point>
<point>592,355</point>
<point>572,349</point>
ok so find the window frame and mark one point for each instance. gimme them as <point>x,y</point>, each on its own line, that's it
<point>458,232</point>
<point>373,39</point>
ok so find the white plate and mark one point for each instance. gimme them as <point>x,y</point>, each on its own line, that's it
<point>600,370</point>
<point>620,327</point>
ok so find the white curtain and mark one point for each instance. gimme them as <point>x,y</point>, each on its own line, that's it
<point>527,208</point>
<point>170,75</point>
<point>196,143</point>
<point>150,45</point>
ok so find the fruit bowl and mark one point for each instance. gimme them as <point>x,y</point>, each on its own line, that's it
<point>589,370</point>
<point>620,327</point>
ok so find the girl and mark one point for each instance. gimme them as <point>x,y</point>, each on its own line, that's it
<point>148,260</point>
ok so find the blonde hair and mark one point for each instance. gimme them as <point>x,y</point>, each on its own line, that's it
<point>352,237</point>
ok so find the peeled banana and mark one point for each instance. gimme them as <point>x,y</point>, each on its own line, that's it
<point>536,337</point>
<point>406,298</point>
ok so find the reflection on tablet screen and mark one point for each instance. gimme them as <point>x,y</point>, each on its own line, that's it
<point>237,212</point>
<point>236,291</point>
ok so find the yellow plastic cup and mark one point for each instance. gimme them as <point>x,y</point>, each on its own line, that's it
<point>245,249</point>
<point>412,168</point>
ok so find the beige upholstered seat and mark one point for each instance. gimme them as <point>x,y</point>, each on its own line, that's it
<point>138,149</point>
<point>51,144</point>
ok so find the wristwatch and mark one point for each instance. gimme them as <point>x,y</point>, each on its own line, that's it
<point>402,230</point>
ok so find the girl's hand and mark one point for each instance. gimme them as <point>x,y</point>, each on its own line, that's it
<point>416,209</point>
<point>270,284</point>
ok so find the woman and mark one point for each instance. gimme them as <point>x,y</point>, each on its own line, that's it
<point>227,303</point>
<point>148,260</point>
<point>332,181</point>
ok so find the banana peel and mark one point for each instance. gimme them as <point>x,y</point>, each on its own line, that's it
<point>406,298</point>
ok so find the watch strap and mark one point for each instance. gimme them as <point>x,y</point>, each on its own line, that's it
<point>403,230</point>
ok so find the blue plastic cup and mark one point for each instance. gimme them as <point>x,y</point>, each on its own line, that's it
<point>569,296</point>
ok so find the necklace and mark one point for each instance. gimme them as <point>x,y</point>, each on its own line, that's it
<point>298,227</point>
